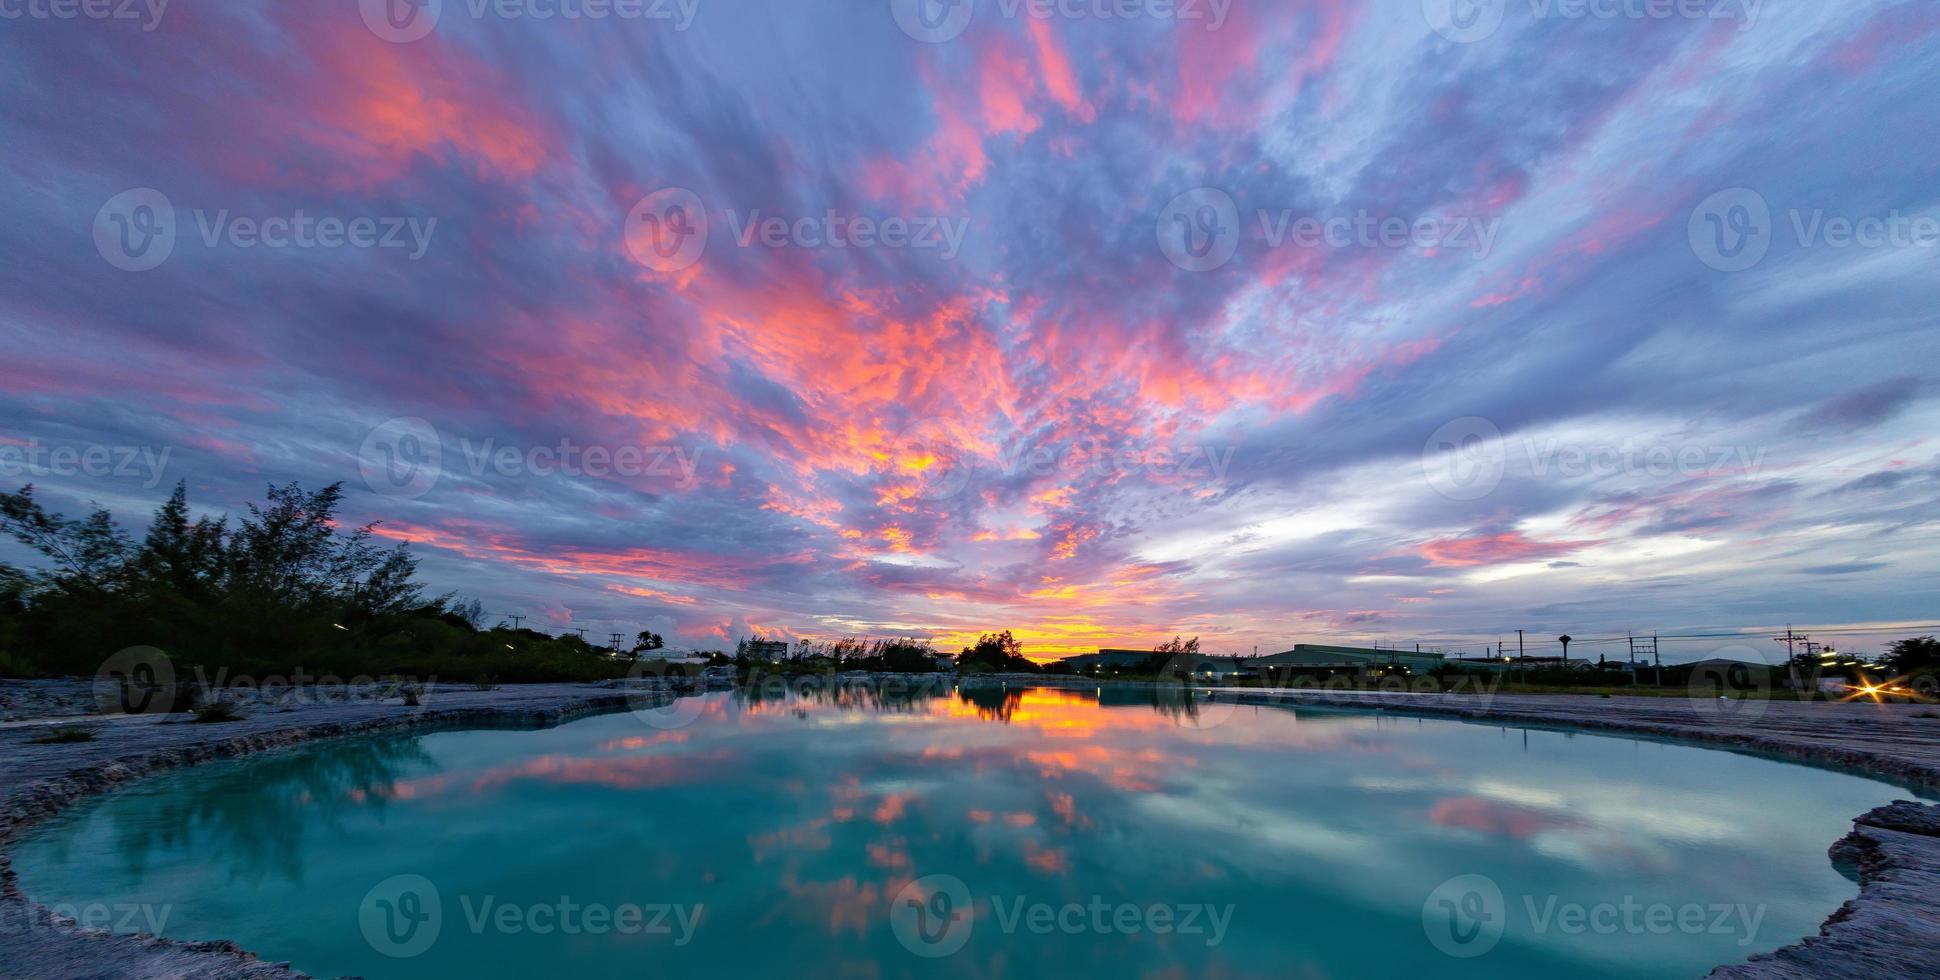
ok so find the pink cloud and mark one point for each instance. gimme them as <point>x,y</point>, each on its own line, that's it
<point>1495,549</point>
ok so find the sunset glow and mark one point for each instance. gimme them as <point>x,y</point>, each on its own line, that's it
<point>967,382</point>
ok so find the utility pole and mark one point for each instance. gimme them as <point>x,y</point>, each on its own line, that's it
<point>616,642</point>
<point>1790,638</point>
<point>1791,663</point>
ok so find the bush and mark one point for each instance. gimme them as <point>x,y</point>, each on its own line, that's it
<point>216,712</point>
<point>66,735</point>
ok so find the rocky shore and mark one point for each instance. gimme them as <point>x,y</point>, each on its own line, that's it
<point>1890,930</point>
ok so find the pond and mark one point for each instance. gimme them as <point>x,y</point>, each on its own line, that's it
<point>986,832</point>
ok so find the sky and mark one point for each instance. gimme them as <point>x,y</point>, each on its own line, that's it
<point>1405,321</point>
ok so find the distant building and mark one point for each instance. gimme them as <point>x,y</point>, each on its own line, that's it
<point>1204,666</point>
<point>1314,659</point>
<point>1108,661</point>
<point>1730,673</point>
<point>768,649</point>
<point>1720,663</point>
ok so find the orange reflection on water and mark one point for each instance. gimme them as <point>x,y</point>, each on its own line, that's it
<point>844,905</point>
<point>1054,713</point>
<point>1052,861</point>
<point>1128,770</point>
<point>637,742</point>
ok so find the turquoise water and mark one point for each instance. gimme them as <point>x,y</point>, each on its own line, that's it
<point>1006,833</point>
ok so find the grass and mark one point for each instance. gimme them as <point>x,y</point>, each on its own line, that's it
<point>66,735</point>
<point>216,712</point>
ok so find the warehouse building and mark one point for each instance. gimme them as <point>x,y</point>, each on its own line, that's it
<point>1321,660</point>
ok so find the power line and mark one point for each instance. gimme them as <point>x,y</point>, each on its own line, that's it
<point>1748,632</point>
<point>1652,643</point>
